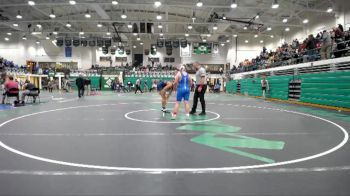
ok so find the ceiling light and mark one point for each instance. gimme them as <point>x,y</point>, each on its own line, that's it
<point>305,21</point>
<point>39,25</point>
<point>141,43</point>
<point>161,34</point>
<point>31,3</point>
<point>246,41</point>
<point>287,29</point>
<point>208,35</point>
<point>108,33</point>
<point>55,32</point>
<point>255,35</point>
<point>275,4</point>
<point>87,14</point>
<point>99,25</point>
<point>329,10</point>
<point>199,3</point>
<point>37,42</point>
<point>135,34</point>
<point>15,24</point>
<point>222,44</point>
<point>9,33</point>
<point>189,26</point>
<point>160,26</point>
<point>186,34</point>
<point>138,38</point>
<point>261,41</point>
<point>81,33</point>
<point>47,38</point>
<point>228,41</point>
<point>204,40</point>
<point>157,3</point>
<point>194,16</point>
<point>233,4</point>
<point>134,46</point>
<point>285,20</point>
<point>115,2</point>
<point>215,27</point>
<point>235,35</point>
<point>19,16</point>
<point>269,28</point>
<point>24,38</point>
<point>123,16</point>
<point>72,2</point>
<point>245,28</point>
<point>7,39</point>
<point>159,17</point>
<point>257,16</point>
<point>52,14</point>
<point>272,36</point>
<point>223,17</point>
<point>68,25</point>
<point>129,26</point>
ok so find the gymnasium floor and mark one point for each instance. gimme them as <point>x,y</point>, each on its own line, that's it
<point>121,144</point>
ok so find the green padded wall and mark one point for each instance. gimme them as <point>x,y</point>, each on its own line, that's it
<point>328,88</point>
<point>279,87</point>
<point>251,87</point>
<point>231,86</point>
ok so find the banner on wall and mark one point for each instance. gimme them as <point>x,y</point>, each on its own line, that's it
<point>215,49</point>
<point>68,52</point>
<point>185,51</point>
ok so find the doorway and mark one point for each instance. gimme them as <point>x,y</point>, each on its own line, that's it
<point>138,60</point>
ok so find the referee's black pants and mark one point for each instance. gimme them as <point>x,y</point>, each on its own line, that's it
<point>199,95</point>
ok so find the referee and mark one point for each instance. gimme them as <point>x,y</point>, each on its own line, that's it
<point>201,88</point>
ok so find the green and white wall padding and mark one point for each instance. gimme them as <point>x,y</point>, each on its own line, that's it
<point>328,88</point>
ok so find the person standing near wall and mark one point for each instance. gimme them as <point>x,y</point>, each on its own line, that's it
<point>264,86</point>
<point>311,48</point>
<point>138,85</point>
<point>326,45</point>
<point>201,88</point>
<point>80,82</point>
<point>87,83</point>
<point>145,86</point>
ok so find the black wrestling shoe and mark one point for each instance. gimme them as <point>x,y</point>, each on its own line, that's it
<point>192,113</point>
<point>202,114</point>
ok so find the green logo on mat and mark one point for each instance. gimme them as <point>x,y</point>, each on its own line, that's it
<point>225,138</point>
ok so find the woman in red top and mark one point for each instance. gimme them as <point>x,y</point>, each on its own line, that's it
<point>10,84</point>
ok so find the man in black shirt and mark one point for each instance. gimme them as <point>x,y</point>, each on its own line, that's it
<point>80,82</point>
<point>28,86</point>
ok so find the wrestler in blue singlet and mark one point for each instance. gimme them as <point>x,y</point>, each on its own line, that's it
<point>183,88</point>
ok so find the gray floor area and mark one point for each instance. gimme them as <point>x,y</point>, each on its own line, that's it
<point>121,144</point>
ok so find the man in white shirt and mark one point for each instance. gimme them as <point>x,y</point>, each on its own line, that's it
<point>138,85</point>
<point>264,86</point>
